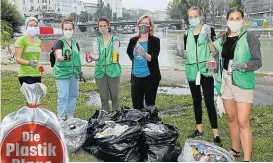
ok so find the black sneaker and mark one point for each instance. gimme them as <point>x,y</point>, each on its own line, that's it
<point>217,141</point>
<point>196,133</point>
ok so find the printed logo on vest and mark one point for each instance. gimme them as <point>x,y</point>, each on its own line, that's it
<point>33,50</point>
<point>67,55</point>
<point>32,142</point>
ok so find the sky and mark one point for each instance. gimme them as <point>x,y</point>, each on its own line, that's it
<point>150,5</point>
<point>146,4</point>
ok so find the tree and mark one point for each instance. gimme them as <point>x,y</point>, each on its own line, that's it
<point>103,11</point>
<point>236,3</point>
<point>6,33</point>
<point>174,9</point>
<point>115,17</point>
<point>108,12</point>
<point>83,17</point>
<point>73,16</point>
<point>100,10</point>
<point>10,15</point>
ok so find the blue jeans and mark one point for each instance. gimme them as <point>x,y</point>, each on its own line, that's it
<point>68,93</point>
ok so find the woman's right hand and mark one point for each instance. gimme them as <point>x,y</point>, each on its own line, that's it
<point>60,58</point>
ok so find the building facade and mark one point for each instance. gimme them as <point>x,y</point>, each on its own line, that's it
<point>66,7</point>
<point>258,8</point>
<point>158,15</point>
<point>116,6</point>
<point>91,8</point>
<point>33,7</point>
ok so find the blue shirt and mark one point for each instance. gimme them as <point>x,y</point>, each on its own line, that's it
<point>140,67</point>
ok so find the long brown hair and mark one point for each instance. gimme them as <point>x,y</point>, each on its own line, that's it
<point>224,36</point>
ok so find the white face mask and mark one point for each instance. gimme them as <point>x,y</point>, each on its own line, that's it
<point>68,34</point>
<point>235,26</point>
<point>32,31</point>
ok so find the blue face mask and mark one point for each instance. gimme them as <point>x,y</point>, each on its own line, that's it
<point>194,22</point>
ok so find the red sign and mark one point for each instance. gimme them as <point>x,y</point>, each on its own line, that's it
<point>32,142</point>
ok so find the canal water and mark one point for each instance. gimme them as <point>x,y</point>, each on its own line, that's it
<point>167,57</point>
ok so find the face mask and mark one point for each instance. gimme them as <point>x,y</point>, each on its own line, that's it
<point>68,34</point>
<point>32,31</point>
<point>103,31</point>
<point>194,22</point>
<point>144,28</point>
<point>235,26</point>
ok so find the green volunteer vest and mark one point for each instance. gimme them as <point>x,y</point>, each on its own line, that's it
<point>104,64</point>
<point>66,69</point>
<point>197,55</point>
<point>241,78</point>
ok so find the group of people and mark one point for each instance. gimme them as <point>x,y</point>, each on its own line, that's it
<point>237,54</point>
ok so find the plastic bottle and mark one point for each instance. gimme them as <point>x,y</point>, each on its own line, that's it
<point>211,65</point>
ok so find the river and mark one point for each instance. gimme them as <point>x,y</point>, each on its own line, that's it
<point>167,57</point>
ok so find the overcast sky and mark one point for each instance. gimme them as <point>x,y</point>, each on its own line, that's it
<point>145,4</point>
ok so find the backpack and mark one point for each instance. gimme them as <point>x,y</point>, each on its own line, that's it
<point>52,57</point>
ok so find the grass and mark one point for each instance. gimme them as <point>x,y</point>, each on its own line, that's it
<point>174,110</point>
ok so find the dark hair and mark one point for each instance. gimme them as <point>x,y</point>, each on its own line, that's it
<point>235,9</point>
<point>232,10</point>
<point>68,20</point>
<point>104,19</point>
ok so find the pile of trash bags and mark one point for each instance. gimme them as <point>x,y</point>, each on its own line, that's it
<point>131,136</point>
<point>202,151</point>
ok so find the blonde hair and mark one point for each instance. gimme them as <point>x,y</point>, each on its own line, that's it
<point>151,24</point>
<point>196,9</point>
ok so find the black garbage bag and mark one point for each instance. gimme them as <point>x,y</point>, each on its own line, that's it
<point>160,143</point>
<point>98,119</point>
<point>135,115</point>
<point>153,115</point>
<point>121,146</point>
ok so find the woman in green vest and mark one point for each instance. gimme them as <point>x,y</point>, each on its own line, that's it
<point>28,50</point>
<point>67,71</point>
<point>107,67</point>
<point>239,56</point>
<point>198,47</point>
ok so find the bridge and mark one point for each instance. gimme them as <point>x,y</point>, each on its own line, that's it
<point>87,26</point>
<point>122,23</point>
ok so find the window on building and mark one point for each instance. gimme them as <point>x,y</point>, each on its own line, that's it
<point>24,2</point>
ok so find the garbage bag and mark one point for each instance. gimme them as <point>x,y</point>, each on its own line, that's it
<point>153,115</point>
<point>199,150</point>
<point>75,133</point>
<point>33,122</point>
<point>122,147</point>
<point>135,115</point>
<point>160,143</point>
<point>99,118</point>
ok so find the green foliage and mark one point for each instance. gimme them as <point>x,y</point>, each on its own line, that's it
<point>236,3</point>
<point>10,14</point>
<point>115,17</point>
<point>6,33</point>
<point>103,11</point>
<point>174,9</point>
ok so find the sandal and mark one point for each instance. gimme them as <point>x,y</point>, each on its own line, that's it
<point>237,153</point>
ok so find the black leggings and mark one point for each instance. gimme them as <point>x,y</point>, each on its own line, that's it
<point>207,84</point>
<point>141,87</point>
<point>29,80</point>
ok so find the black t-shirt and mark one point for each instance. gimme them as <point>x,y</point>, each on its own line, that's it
<point>59,45</point>
<point>228,50</point>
